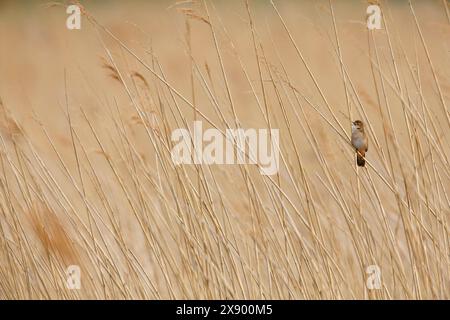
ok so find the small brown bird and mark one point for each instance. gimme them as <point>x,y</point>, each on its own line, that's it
<point>359,142</point>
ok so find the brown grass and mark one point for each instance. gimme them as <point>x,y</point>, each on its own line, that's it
<point>86,175</point>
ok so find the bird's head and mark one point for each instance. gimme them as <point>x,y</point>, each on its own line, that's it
<point>358,124</point>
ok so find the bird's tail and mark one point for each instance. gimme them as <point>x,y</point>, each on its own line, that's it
<point>360,161</point>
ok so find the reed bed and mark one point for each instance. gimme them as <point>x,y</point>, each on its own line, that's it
<point>87,179</point>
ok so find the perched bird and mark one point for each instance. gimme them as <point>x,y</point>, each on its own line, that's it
<point>359,142</point>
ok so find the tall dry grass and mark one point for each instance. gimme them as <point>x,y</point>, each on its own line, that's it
<point>87,177</point>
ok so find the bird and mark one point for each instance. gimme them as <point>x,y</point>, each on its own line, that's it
<point>359,142</point>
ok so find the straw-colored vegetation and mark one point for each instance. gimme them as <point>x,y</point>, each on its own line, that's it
<point>86,176</point>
